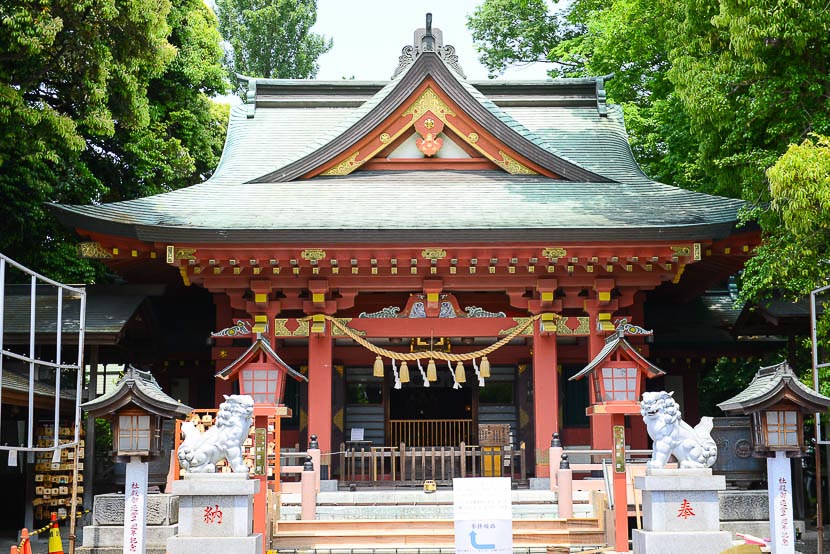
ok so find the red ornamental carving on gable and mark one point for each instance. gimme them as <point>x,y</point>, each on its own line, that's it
<point>429,127</point>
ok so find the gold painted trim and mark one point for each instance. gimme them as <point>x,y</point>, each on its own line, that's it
<point>92,251</point>
<point>302,328</point>
<point>315,254</point>
<point>428,101</point>
<point>511,166</point>
<point>554,252</point>
<point>280,330</point>
<point>183,273</point>
<point>682,250</point>
<point>433,253</point>
<point>520,321</point>
<point>346,166</point>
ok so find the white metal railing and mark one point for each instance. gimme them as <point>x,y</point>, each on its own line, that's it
<point>33,362</point>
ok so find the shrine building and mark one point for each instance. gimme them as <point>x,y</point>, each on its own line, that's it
<point>432,253</point>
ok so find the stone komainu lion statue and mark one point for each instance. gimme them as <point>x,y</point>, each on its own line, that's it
<point>200,452</point>
<point>693,448</point>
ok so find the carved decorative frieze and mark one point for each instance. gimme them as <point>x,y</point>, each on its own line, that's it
<point>554,253</point>
<point>314,254</point>
<point>346,166</point>
<point>240,328</point>
<point>433,253</point>
<point>280,330</point>
<point>93,251</point>
<point>475,311</point>
<point>520,321</point>
<point>388,312</point>
<point>429,101</point>
<point>682,250</point>
<point>631,329</point>
<point>512,166</point>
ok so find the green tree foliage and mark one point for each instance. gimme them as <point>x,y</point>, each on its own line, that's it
<point>99,101</point>
<point>714,94</point>
<point>272,38</point>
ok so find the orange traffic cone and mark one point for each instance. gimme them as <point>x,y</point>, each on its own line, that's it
<point>13,549</point>
<point>55,543</point>
<point>25,543</point>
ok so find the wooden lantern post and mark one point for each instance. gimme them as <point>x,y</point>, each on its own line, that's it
<point>615,377</point>
<point>777,401</point>
<point>261,374</point>
<point>135,409</point>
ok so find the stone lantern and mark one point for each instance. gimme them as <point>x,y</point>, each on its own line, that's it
<point>616,376</point>
<point>135,409</point>
<point>776,402</point>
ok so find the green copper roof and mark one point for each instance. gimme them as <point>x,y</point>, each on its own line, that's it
<point>768,387</point>
<point>400,205</point>
<point>290,129</point>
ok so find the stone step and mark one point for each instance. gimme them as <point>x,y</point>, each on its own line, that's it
<point>416,504</point>
<point>434,533</point>
<point>409,497</point>
<point>421,512</point>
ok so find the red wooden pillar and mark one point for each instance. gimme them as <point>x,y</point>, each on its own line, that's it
<point>545,396</point>
<point>319,388</point>
<point>601,425</point>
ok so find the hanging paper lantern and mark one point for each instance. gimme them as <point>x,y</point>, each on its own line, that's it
<point>432,372</point>
<point>404,372</point>
<point>484,367</point>
<point>460,374</point>
<point>378,371</point>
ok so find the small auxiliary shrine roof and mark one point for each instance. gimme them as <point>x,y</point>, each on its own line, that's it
<point>771,385</point>
<point>425,156</point>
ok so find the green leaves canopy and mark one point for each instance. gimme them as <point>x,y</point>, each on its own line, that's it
<point>99,101</point>
<point>272,38</point>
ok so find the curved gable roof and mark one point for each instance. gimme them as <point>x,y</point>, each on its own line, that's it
<point>469,100</point>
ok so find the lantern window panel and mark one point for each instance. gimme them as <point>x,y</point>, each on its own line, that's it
<point>619,383</point>
<point>134,433</point>
<point>782,428</point>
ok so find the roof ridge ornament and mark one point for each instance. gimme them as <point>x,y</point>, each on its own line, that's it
<point>428,39</point>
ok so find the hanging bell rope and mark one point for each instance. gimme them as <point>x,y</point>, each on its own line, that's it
<point>431,354</point>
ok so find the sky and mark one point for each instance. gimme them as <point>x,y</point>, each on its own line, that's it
<point>369,34</point>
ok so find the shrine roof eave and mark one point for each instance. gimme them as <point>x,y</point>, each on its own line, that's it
<point>616,341</point>
<point>770,385</point>
<point>621,234</point>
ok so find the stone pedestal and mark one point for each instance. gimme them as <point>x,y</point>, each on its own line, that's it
<point>106,534</point>
<point>680,513</point>
<point>215,515</point>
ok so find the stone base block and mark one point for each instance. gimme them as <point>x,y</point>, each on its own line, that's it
<point>698,542</point>
<point>328,485</point>
<point>118,550</point>
<point>155,536</point>
<point>744,505</point>
<point>162,509</point>
<point>251,544</point>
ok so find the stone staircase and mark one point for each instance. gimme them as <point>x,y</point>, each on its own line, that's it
<point>409,520</point>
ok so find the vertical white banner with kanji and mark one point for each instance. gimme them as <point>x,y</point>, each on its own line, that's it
<point>135,507</point>
<point>780,486</point>
<point>483,514</point>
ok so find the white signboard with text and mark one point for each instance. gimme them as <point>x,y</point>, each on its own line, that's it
<point>483,515</point>
<point>780,486</point>
<point>135,507</point>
